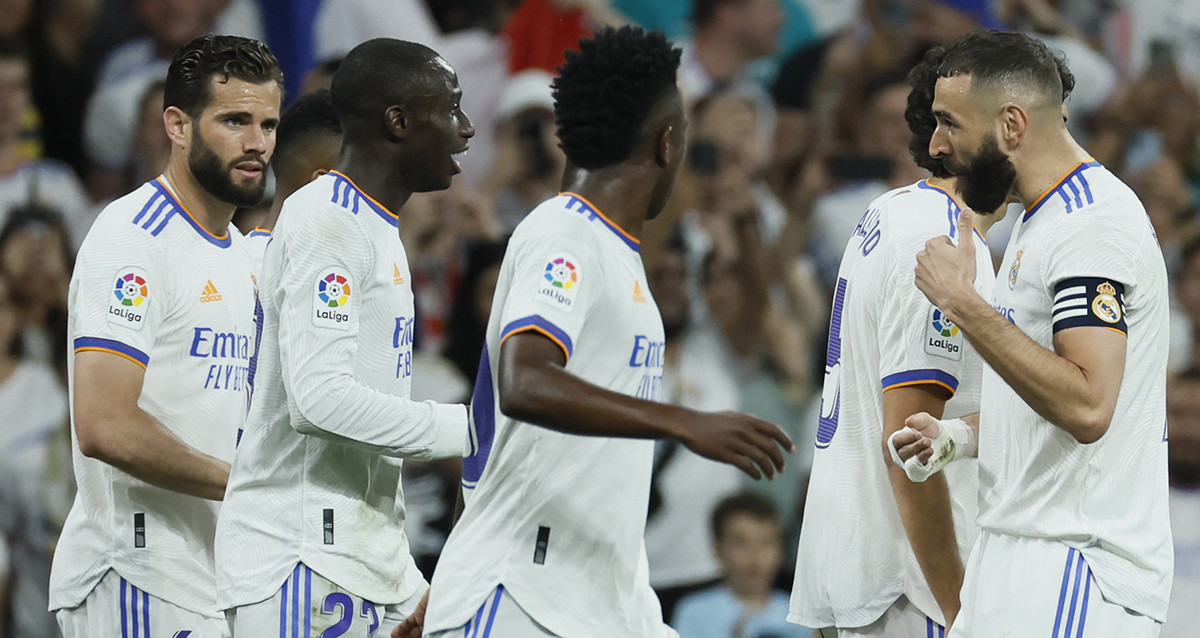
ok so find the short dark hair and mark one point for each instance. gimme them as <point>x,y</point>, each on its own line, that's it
<point>919,112</point>
<point>222,56</point>
<point>377,74</point>
<point>309,116</point>
<point>749,504</point>
<point>1003,58</point>
<point>605,91</point>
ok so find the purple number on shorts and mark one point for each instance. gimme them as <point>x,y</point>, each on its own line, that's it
<point>333,601</point>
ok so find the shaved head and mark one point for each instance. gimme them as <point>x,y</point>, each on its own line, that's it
<point>1008,67</point>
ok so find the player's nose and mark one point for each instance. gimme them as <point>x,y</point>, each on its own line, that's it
<point>939,146</point>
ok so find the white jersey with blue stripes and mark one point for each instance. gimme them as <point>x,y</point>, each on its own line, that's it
<point>854,558</point>
<point>559,519</point>
<point>316,479</point>
<point>152,286</point>
<point>1085,253</point>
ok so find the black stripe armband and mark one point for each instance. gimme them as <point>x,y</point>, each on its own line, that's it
<point>1089,301</point>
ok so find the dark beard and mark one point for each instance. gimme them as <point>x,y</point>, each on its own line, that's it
<point>988,180</point>
<point>213,175</point>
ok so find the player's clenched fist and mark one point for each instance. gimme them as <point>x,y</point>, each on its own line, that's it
<point>752,445</point>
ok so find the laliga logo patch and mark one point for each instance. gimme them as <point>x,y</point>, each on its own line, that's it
<point>1105,305</point>
<point>130,299</point>
<point>332,299</point>
<point>942,338</point>
<point>560,282</point>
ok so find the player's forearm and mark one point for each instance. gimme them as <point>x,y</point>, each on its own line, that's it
<point>143,448</point>
<point>338,407</point>
<point>547,395</point>
<point>925,509</point>
<point>1055,387</point>
<point>929,525</point>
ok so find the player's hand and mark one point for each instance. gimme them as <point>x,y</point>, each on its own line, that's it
<point>917,437</point>
<point>752,445</point>
<point>945,272</point>
<point>415,623</point>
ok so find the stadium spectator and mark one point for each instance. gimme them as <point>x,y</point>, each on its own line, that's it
<point>24,180</point>
<point>34,403</point>
<point>36,255</point>
<point>1183,454</point>
<point>748,543</point>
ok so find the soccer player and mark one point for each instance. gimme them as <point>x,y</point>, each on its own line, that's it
<point>872,559</point>
<point>306,146</point>
<point>556,486</point>
<point>311,539</point>
<point>1075,538</point>
<point>161,309</point>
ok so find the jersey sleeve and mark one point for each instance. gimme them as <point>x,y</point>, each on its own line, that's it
<point>120,294</point>
<point>554,282</point>
<point>323,263</point>
<point>917,343</point>
<point>1091,261</point>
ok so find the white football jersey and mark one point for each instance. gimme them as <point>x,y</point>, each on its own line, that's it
<point>152,286</point>
<point>316,478</point>
<point>1086,254</point>
<point>558,519</point>
<point>854,559</point>
<point>256,244</point>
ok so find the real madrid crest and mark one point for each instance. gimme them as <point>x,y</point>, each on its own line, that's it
<point>1012,272</point>
<point>1105,305</point>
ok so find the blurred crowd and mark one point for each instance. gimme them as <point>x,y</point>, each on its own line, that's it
<point>797,123</point>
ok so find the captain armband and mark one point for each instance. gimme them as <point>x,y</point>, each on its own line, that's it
<point>1089,301</point>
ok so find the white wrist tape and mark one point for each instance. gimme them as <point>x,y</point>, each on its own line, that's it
<point>955,440</point>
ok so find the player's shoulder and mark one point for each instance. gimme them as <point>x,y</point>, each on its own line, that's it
<point>138,218</point>
<point>560,220</point>
<point>914,214</point>
<point>329,201</point>
<point>1091,200</point>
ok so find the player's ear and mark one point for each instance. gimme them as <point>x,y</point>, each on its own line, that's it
<point>178,125</point>
<point>665,149</point>
<point>1014,124</point>
<point>397,119</point>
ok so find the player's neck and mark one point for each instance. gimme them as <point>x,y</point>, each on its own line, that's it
<point>983,222</point>
<point>1049,159</point>
<point>211,213</point>
<point>615,191</point>
<point>375,178</point>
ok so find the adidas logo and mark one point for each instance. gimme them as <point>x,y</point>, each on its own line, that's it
<point>397,278</point>
<point>210,293</point>
<point>638,297</point>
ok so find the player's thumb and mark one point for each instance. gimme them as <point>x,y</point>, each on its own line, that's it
<point>918,421</point>
<point>966,226</point>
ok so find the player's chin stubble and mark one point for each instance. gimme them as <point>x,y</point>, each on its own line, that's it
<point>214,176</point>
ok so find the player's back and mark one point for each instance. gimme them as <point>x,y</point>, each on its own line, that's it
<point>152,286</point>
<point>337,302</point>
<point>1108,499</point>
<point>559,519</point>
<point>854,559</point>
